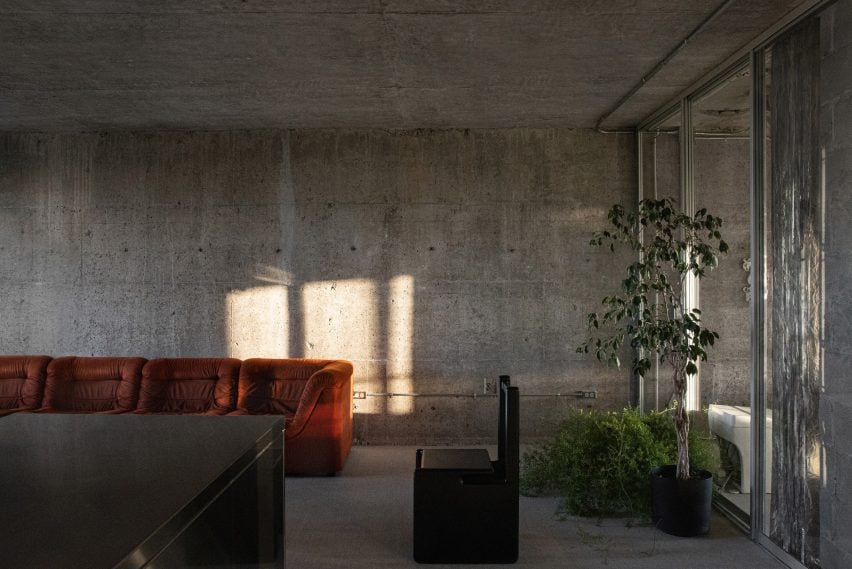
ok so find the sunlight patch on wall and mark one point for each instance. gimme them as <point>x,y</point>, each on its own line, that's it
<point>258,322</point>
<point>341,321</point>
<point>274,275</point>
<point>400,334</point>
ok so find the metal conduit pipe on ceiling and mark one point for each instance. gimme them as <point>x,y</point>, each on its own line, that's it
<point>662,63</point>
<point>699,135</point>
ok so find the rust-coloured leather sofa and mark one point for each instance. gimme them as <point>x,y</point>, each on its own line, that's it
<point>92,385</point>
<point>22,382</point>
<point>189,386</point>
<point>315,397</point>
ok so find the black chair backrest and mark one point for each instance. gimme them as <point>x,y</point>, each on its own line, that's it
<point>508,435</point>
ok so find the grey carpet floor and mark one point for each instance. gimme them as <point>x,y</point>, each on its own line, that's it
<point>362,518</point>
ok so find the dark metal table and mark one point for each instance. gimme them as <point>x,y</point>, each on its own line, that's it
<point>133,491</point>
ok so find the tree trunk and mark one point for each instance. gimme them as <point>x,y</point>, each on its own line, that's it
<point>681,422</point>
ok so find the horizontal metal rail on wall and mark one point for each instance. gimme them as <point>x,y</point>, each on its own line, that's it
<point>475,395</point>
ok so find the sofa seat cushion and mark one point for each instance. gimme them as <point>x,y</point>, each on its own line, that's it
<point>94,396</point>
<point>182,395</point>
<point>22,381</point>
<point>189,386</point>
<point>276,397</point>
<point>92,385</point>
<point>269,386</point>
<point>315,398</point>
<point>10,392</point>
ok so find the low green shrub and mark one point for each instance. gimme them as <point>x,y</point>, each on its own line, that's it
<point>598,463</point>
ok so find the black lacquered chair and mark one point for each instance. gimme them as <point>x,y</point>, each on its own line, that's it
<point>465,504</point>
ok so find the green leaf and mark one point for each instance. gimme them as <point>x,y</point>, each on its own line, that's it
<point>598,462</point>
<point>649,312</point>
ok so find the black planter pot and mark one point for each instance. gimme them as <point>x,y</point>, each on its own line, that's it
<point>681,507</point>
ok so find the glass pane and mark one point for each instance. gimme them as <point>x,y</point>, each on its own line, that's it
<point>721,124</point>
<point>767,288</point>
<point>794,249</point>
<point>661,177</point>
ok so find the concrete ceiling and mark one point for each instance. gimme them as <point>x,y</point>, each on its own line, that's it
<point>94,64</point>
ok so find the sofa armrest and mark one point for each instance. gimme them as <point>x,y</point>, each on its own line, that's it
<point>336,375</point>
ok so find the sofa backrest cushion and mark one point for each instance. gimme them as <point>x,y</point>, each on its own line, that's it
<point>189,385</point>
<point>22,381</point>
<point>275,385</point>
<point>93,384</point>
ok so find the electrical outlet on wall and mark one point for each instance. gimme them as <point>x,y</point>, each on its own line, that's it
<point>359,395</point>
<point>580,394</point>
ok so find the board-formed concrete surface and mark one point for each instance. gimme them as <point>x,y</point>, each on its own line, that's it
<point>435,260</point>
<point>362,518</point>
<point>93,64</point>
<point>835,404</point>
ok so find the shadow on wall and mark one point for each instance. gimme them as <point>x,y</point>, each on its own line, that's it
<point>434,260</point>
<point>257,319</point>
<point>368,322</point>
<point>375,325</point>
<point>365,321</point>
<point>354,319</point>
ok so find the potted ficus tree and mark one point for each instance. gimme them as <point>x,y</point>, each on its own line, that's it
<point>650,312</point>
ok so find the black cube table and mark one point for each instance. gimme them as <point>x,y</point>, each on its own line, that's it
<point>133,491</point>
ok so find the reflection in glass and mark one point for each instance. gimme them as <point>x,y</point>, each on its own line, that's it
<point>795,306</point>
<point>767,287</point>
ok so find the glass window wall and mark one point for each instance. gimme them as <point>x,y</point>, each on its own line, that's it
<point>746,145</point>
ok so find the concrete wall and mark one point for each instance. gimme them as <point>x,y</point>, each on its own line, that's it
<point>141,243</point>
<point>836,400</point>
<point>434,260</point>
